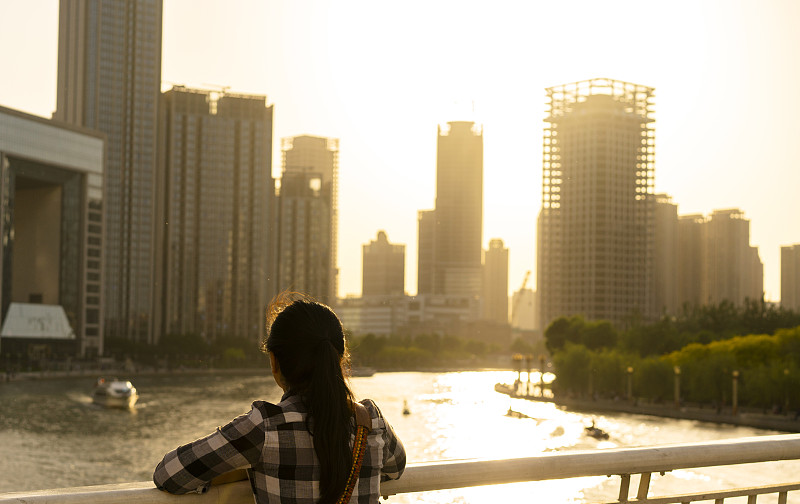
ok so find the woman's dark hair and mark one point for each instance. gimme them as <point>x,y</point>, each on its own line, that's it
<point>308,342</point>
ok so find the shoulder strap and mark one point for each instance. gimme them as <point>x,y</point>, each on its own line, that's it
<point>363,426</point>
<point>362,416</point>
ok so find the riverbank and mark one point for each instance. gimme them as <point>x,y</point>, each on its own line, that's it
<point>94,373</point>
<point>745,417</point>
<point>132,374</point>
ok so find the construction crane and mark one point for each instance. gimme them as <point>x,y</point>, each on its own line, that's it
<point>515,307</point>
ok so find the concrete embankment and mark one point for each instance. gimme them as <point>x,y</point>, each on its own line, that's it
<point>745,416</point>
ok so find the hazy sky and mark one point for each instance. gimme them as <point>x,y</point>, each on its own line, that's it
<point>381,75</point>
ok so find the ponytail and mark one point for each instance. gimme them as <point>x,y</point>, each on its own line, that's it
<point>308,342</point>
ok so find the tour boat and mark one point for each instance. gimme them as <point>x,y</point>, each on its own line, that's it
<point>114,393</point>
<point>362,371</point>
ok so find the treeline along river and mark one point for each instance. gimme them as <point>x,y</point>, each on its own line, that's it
<point>52,436</point>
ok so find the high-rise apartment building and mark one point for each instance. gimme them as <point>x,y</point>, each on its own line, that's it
<point>734,271</point>
<point>383,268</point>
<point>596,224</point>
<point>716,261</point>
<point>691,268</point>
<point>790,277</point>
<point>109,78</point>
<point>665,256</point>
<point>458,223</point>
<point>217,188</point>
<point>307,217</point>
<point>495,282</point>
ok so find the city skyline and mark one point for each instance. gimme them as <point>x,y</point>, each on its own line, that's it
<point>724,99</point>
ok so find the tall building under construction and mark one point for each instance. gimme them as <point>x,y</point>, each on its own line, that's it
<point>596,233</point>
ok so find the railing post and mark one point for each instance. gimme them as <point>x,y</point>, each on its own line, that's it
<point>644,486</point>
<point>624,487</point>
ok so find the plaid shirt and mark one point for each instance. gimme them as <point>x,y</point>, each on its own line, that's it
<point>274,443</point>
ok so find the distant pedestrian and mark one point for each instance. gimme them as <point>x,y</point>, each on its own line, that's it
<point>303,449</point>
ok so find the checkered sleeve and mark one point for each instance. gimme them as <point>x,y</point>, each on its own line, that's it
<point>191,467</point>
<point>394,454</point>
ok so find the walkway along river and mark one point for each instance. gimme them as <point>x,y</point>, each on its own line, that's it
<point>52,436</point>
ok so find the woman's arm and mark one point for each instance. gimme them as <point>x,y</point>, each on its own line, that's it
<point>192,467</point>
<point>394,454</point>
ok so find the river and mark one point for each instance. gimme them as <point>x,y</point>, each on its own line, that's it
<point>52,436</point>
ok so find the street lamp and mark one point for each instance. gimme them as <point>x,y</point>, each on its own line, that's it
<point>677,370</point>
<point>541,375</point>
<point>735,402</point>
<point>517,360</point>
<point>630,383</point>
<point>528,364</point>
<point>785,391</point>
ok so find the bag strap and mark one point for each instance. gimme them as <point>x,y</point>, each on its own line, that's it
<point>363,426</point>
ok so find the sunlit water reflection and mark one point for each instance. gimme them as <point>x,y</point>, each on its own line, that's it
<point>53,436</point>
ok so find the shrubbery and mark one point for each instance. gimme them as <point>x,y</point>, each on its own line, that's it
<point>702,345</point>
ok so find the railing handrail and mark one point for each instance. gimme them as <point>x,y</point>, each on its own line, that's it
<point>468,473</point>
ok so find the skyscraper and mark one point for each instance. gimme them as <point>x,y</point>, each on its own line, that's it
<point>665,254</point>
<point>495,282</point>
<point>217,165</point>
<point>458,223</point>
<point>691,271</point>
<point>734,271</point>
<point>426,226</point>
<point>383,268</point>
<point>790,277</point>
<point>307,217</point>
<point>109,77</point>
<point>596,233</point>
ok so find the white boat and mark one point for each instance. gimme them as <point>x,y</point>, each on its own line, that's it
<point>362,371</point>
<point>114,393</point>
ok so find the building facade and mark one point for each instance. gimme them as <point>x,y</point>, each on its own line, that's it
<point>426,227</point>
<point>52,228</point>
<point>733,269</point>
<point>109,78</point>
<point>458,223</point>
<point>383,268</point>
<point>524,312</point>
<point>665,256</point>
<point>306,216</point>
<point>790,277</point>
<point>216,192</point>
<point>691,272</point>
<point>495,282</point>
<point>596,232</point>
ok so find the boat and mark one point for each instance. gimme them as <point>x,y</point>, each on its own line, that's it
<point>504,388</point>
<point>362,371</point>
<point>516,414</point>
<point>114,393</point>
<point>595,432</point>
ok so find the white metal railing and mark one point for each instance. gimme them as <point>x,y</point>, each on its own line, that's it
<point>623,462</point>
